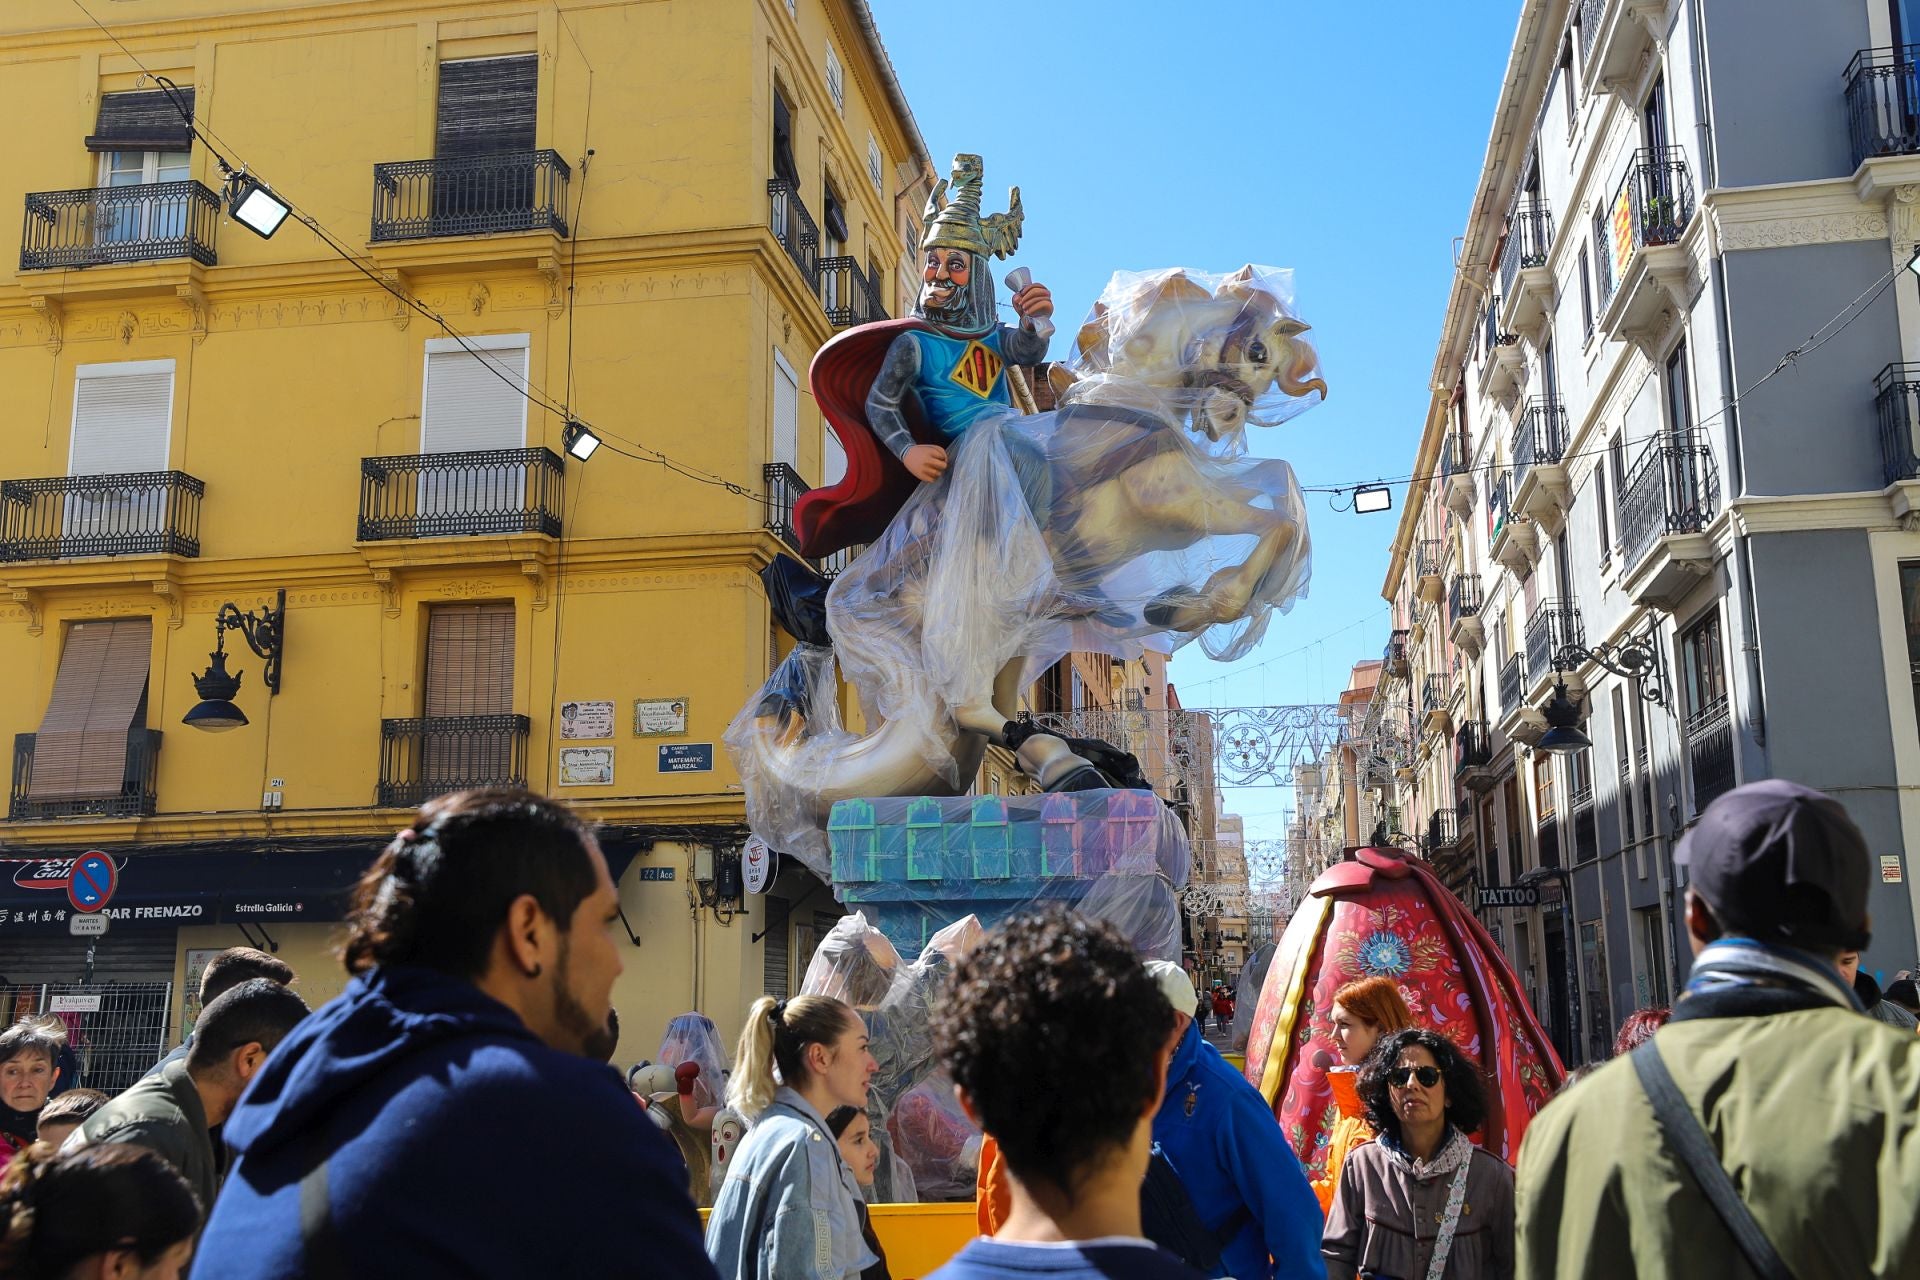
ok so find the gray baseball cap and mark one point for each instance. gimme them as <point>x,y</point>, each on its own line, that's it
<point>1780,862</point>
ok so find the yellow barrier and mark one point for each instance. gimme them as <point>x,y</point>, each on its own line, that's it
<point>918,1238</point>
<point>1239,1061</point>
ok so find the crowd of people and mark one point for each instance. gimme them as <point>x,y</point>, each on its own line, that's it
<point>1767,1117</point>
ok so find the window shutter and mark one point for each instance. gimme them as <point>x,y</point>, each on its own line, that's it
<point>786,413</point>
<point>470,660</point>
<point>487,106</point>
<point>836,81</point>
<point>777,972</point>
<point>120,420</point>
<point>80,751</point>
<point>144,121</point>
<point>469,406</point>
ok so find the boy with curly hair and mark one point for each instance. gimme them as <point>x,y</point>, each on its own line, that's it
<point>1057,1040</point>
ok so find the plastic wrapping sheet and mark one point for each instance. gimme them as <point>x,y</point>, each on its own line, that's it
<point>691,1037</point>
<point>1246,994</point>
<point>935,1138</point>
<point>855,964</point>
<point>1132,514</point>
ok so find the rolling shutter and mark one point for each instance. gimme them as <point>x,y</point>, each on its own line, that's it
<point>144,121</point>
<point>487,106</point>
<point>777,973</point>
<point>80,750</point>
<point>471,406</point>
<point>470,660</point>
<point>121,416</point>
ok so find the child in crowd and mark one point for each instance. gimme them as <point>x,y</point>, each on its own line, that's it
<point>62,1115</point>
<point>1058,1041</point>
<point>29,1067</point>
<point>854,1132</point>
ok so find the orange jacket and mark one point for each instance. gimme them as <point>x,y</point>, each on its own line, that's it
<point>994,1199</point>
<point>1349,1131</point>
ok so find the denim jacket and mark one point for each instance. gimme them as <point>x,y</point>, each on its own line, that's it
<point>789,1208</point>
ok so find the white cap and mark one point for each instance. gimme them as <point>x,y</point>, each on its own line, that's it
<point>1175,985</point>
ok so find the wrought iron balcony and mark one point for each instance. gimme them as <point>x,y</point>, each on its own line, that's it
<point>1897,400</point>
<point>1539,437</point>
<point>1394,656</point>
<point>443,495</point>
<point>1710,752</point>
<point>1554,625</point>
<point>148,513</point>
<point>794,228</point>
<point>1883,103</point>
<point>1427,558</point>
<point>1443,831</point>
<point>1592,13</point>
<point>429,756</point>
<point>1529,240</point>
<point>1673,487</point>
<point>1491,334</point>
<point>1472,746</point>
<point>1511,678</point>
<point>784,487</point>
<point>849,295</point>
<point>1433,694</point>
<point>134,799</point>
<point>1463,596</point>
<point>95,226</point>
<point>470,195</point>
<point>1656,199</point>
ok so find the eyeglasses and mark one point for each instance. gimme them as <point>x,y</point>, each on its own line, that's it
<point>1401,1077</point>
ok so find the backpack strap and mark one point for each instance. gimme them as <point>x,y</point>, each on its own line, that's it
<point>1689,1141</point>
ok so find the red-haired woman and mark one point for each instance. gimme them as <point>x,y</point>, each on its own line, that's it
<point>1363,1012</point>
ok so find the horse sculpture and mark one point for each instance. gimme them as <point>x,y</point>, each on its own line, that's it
<point>1129,515</point>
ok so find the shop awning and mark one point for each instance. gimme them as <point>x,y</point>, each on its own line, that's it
<point>164,888</point>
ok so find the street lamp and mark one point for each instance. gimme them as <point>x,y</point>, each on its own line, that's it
<point>265,632</point>
<point>1563,735</point>
<point>254,206</point>
<point>579,441</point>
<point>1633,658</point>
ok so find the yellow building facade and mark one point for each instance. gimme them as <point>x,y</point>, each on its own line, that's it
<point>644,216</point>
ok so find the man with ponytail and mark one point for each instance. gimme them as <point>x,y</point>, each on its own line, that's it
<point>439,1117</point>
<point>789,1209</point>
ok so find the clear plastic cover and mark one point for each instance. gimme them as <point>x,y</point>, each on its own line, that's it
<point>691,1037</point>
<point>1246,994</point>
<point>1131,514</point>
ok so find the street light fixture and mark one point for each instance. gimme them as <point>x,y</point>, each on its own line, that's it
<point>1563,735</point>
<point>1369,498</point>
<point>579,441</point>
<point>265,632</point>
<point>254,206</point>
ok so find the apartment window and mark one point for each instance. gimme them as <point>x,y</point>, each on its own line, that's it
<point>122,424</point>
<point>1679,397</point>
<point>474,394</point>
<point>783,166</point>
<point>1709,725</point>
<point>1586,292</point>
<point>1617,460</point>
<point>1567,94</point>
<point>1654,986</point>
<point>874,170</point>
<point>1593,981</point>
<point>836,81</point>
<point>1600,511</point>
<point>1623,765</point>
<point>833,458</point>
<point>1910,611</point>
<point>1543,790</point>
<point>786,414</point>
<point>1049,691</point>
<point>141,139</point>
<point>81,751</point>
<point>793,8</point>
<point>469,673</point>
<point>486,106</point>
<point>1602,241</point>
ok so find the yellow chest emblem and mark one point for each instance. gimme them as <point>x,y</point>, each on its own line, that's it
<point>978,370</point>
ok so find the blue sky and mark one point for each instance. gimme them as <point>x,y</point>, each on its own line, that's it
<point>1147,135</point>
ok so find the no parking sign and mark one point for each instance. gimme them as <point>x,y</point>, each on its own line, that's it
<point>93,881</point>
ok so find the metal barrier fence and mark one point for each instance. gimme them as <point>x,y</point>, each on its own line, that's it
<point>116,1030</point>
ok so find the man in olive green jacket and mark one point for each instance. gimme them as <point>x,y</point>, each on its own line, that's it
<point>1810,1105</point>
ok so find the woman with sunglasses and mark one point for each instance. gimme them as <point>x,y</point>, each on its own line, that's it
<point>1421,1201</point>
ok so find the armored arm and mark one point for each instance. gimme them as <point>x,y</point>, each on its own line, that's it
<point>1021,345</point>
<point>890,390</point>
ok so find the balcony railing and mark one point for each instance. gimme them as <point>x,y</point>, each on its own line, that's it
<point>443,495</point>
<point>1499,504</point>
<point>1710,752</point>
<point>1673,487</point>
<point>1491,334</point>
<point>1433,694</point>
<point>433,755</point>
<point>1555,624</point>
<point>1539,437</point>
<point>95,226</point>
<point>1443,831</point>
<point>794,227</point>
<point>1472,746</point>
<point>1394,656</point>
<point>1511,678</point>
<point>1529,239</point>
<point>1426,558</point>
<point>1897,399</point>
<point>470,195</point>
<point>1883,103</point>
<point>135,799</point>
<point>146,513</point>
<point>849,295</point>
<point>784,487</point>
<point>1463,596</point>
<point>1652,206</point>
<point>1592,14</point>
<point>1453,456</point>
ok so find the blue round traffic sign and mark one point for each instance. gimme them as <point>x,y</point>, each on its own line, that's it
<point>93,881</point>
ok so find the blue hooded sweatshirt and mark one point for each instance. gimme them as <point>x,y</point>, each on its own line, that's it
<point>455,1143</point>
<point>1222,1139</point>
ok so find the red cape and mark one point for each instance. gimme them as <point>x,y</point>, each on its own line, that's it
<point>858,509</point>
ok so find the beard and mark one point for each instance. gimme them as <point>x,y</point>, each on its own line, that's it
<point>954,308</point>
<point>593,1036</point>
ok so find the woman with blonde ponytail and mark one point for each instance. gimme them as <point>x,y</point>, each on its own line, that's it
<point>798,1060</point>
<point>118,1210</point>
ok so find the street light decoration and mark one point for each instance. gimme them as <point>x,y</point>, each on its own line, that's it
<point>264,631</point>
<point>252,204</point>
